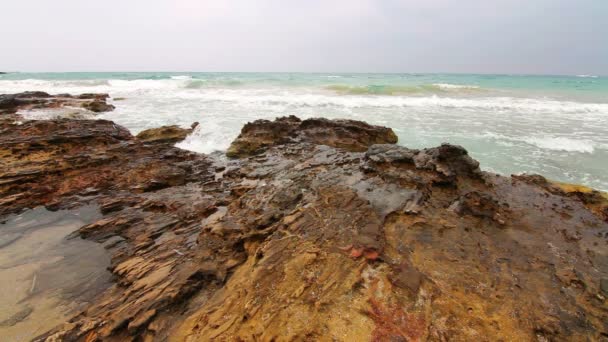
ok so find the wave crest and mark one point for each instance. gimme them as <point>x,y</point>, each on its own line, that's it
<point>435,88</point>
<point>562,144</point>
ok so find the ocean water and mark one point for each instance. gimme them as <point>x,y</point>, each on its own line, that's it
<point>556,126</point>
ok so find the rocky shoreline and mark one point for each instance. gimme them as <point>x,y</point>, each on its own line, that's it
<point>311,230</point>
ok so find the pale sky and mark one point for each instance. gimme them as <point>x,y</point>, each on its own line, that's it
<point>460,36</point>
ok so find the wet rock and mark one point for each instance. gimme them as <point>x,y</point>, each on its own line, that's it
<point>98,106</point>
<point>44,162</point>
<point>350,135</point>
<point>11,103</point>
<point>480,205</point>
<point>594,200</point>
<point>91,96</point>
<point>326,235</point>
<point>18,317</point>
<point>449,160</point>
<point>165,134</point>
<point>604,286</point>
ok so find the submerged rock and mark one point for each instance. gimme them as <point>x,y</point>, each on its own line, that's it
<point>315,233</point>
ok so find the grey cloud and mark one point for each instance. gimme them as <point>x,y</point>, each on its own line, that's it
<point>500,36</point>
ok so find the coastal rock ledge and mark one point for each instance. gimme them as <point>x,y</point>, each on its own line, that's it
<point>314,230</point>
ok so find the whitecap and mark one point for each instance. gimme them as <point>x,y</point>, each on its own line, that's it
<point>208,138</point>
<point>561,144</point>
<point>57,113</point>
<point>449,86</point>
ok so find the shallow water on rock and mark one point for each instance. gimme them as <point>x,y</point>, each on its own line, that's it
<point>46,276</point>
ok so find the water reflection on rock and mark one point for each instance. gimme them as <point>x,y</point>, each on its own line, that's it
<point>46,276</point>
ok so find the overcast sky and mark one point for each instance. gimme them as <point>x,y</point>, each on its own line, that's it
<point>469,36</point>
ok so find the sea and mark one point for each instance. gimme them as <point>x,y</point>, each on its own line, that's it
<point>556,126</point>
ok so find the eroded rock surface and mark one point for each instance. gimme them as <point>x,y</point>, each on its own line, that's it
<point>319,235</point>
<point>11,103</point>
<point>165,134</point>
<point>351,135</point>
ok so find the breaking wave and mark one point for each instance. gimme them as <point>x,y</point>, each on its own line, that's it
<point>559,134</point>
<point>263,97</point>
<point>562,144</point>
<point>546,142</point>
<point>435,88</point>
<point>181,77</point>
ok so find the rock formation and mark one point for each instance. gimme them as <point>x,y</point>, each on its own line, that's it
<point>355,136</point>
<point>315,230</point>
<point>165,134</point>
<point>11,103</point>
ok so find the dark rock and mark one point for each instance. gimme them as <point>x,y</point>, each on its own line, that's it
<point>17,318</point>
<point>594,200</point>
<point>604,286</point>
<point>11,103</point>
<point>478,204</point>
<point>98,106</point>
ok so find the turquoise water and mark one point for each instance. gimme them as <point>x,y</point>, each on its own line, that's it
<point>553,125</point>
<point>582,87</point>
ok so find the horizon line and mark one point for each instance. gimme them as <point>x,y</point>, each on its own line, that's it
<point>309,72</point>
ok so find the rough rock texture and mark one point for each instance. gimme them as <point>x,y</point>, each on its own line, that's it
<point>11,103</point>
<point>594,200</point>
<point>61,163</point>
<point>306,241</point>
<point>165,134</point>
<point>351,135</point>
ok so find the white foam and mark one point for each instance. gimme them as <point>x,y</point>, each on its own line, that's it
<point>562,144</point>
<point>449,86</point>
<point>58,113</point>
<point>545,142</point>
<point>587,76</point>
<point>181,77</point>
<point>294,99</point>
<point>131,85</point>
<point>208,138</point>
<point>275,97</point>
<point>542,135</point>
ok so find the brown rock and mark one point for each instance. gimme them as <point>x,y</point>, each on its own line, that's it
<point>98,106</point>
<point>11,103</point>
<point>350,135</point>
<point>594,200</point>
<point>165,134</point>
<point>251,249</point>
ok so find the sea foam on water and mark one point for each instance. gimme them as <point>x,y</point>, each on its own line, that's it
<point>532,128</point>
